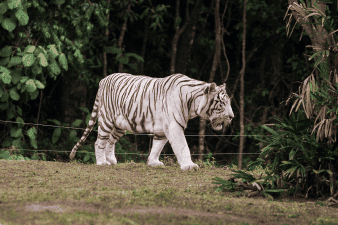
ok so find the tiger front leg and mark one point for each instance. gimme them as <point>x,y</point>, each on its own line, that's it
<point>154,157</point>
<point>180,147</point>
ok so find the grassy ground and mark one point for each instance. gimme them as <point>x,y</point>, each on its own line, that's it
<point>38,192</point>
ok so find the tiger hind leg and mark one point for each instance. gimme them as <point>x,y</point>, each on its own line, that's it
<point>154,157</point>
<point>105,141</point>
<point>110,147</point>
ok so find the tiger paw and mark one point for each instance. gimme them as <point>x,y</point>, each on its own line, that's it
<point>112,161</point>
<point>103,163</point>
<point>156,163</point>
<point>189,166</point>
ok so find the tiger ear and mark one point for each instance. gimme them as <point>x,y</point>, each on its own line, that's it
<point>210,88</point>
<point>223,86</point>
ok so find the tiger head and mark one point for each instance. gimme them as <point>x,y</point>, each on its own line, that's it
<point>215,106</point>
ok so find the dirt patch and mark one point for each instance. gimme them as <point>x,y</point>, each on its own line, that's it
<point>69,207</point>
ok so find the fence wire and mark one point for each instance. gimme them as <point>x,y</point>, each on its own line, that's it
<point>75,128</point>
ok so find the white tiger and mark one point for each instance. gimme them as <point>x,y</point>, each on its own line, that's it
<point>159,106</point>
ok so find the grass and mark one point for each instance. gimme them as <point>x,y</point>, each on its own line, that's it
<point>39,192</point>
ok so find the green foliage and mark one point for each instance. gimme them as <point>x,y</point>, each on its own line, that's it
<point>23,63</point>
<point>293,155</point>
<point>245,178</point>
<point>123,58</point>
<point>5,154</point>
<point>156,14</point>
<point>209,161</point>
<point>224,184</point>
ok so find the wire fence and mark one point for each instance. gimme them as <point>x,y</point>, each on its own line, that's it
<point>126,153</point>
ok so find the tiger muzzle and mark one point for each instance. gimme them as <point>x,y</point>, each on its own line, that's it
<point>220,123</point>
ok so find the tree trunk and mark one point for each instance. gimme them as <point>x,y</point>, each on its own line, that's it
<point>105,53</point>
<point>123,31</point>
<point>185,43</point>
<point>178,33</point>
<point>241,96</point>
<point>144,45</point>
<point>212,74</point>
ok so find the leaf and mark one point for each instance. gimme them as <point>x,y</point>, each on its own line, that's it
<point>270,130</point>
<point>20,122</point>
<point>56,135</point>
<point>30,84</point>
<point>34,95</point>
<point>314,55</point>
<point>4,61</point>
<point>34,157</point>
<point>87,157</point>
<point>24,79</point>
<point>30,49</point>
<point>16,132</point>
<point>54,121</point>
<point>76,123</point>
<point>42,60</point>
<point>52,51</point>
<point>15,61</point>
<point>22,17</point>
<point>19,110</point>
<point>6,78</point>
<point>292,154</point>
<point>113,50</point>
<point>291,170</point>
<point>287,163</point>
<point>12,4</point>
<point>31,133</point>
<point>7,142</point>
<point>144,13</point>
<point>16,76</point>
<point>63,61</point>
<point>34,143</point>
<point>4,106</point>
<point>72,136</point>
<point>9,24</point>
<point>3,8</point>
<point>6,51</point>
<point>139,58</point>
<point>28,60</point>
<point>14,94</point>
<point>37,69</point>
<point>4,154</point>
<point>84,109</point>
<point>123,60</point>
<point>4,97</point>
<point>54,67</point>
<point>79,56</point>
<point>39,84</point>
<point>10,114</point>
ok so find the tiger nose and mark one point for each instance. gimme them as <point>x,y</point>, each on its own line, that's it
<point>231,115</point>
